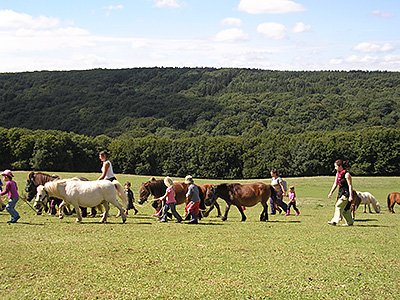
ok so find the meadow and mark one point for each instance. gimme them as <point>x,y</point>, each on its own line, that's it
<point>293,257</point>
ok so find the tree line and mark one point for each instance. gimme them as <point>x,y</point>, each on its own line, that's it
<point>370,151</point>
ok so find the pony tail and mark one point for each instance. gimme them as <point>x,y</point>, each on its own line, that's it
<point>120,192</point>
<point>388,203</point>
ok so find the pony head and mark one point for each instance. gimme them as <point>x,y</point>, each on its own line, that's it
<point>144,193</point>
<point>41,197</point>
<point>210,196</point>
<point>378,207</point>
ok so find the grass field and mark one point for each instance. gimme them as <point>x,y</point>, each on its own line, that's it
<point>285,258</point>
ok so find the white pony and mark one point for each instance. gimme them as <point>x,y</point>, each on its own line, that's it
<point>367,199</point>
<point>83,193</point>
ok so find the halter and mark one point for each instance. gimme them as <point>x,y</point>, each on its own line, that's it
<point>212,200</point>
<point>46,195</point>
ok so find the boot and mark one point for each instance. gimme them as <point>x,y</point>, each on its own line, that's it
<point>287,213</point>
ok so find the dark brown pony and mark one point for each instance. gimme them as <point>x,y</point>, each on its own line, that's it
<point>157,189</point>
<point>354,204</point>
<point>392,199</point>
<point>203,188</point>
<point>33,181</point>
<point>38,178</point>
<point>246,195</point>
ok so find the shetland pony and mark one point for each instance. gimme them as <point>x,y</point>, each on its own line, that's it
<point>366,199</point>
<point>83,193</point>
<point>392,199</point>
<point>242,195</point>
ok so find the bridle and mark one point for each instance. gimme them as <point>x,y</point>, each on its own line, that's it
<point>214,196</point>
<point>41,198</point>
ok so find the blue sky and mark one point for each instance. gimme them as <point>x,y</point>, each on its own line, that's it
<point>264,34</point>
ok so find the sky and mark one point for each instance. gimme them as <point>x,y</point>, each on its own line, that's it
<point>295,35</point>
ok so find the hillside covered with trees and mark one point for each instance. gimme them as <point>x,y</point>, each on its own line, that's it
<point>214,123</point>
<point>185,102</point>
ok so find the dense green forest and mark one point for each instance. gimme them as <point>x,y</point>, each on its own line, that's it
<point>373,151</point>
<point>214,123</point>
<point>186,102</point>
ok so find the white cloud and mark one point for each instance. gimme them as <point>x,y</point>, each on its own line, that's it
<point>301,27</point>
<point>167,3</point>
<point>139,44</point>
<point>111,7</point>
<point>381,14</point>
<point>373,48</point>
<point>270,6</point>
<point>12,19</point>
<point>231,22</point>
<point>272,30</point>
<point>231,35</point>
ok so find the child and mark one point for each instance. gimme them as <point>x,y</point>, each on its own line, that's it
<point>170,202</point>
<point>292,201</point>
<point>2,206</point>
<point>192,208</point>
<point>130,197</point>
<point>11,190</point>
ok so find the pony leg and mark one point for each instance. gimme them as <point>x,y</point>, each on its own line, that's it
<point>225,217</point>
<point>241,212</point>
<point>61,210</point>
<point>218,208</point>
<point>78,213</point>
<point>264,213</point>
<point>121,210</point>
<point>105,214</point>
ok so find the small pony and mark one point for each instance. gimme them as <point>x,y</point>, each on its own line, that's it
<point>392,199</point>
<point>367,199</point>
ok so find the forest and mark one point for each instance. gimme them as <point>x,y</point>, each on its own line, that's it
<point>210,123</point>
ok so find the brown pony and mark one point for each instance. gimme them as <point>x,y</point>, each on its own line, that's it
<point>354,204</point>
<point>203,188</point>
<point>392,199</point>
<point>242,195</point>
<point>157,189</point>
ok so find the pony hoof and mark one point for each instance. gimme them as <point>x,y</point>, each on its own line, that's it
<point>77,221</point>
<point>123,221</point>
<point>224,218</point>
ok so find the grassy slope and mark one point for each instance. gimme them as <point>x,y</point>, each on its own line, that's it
<point>286,258</point>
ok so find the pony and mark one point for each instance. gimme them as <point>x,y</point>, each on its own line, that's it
<point>392,199</point>
<point>203,188</point>
<point>83,193</point>
<point>367,199</point>
<point>38,178</point>
<point>157,189</point>
<point>246,195</point>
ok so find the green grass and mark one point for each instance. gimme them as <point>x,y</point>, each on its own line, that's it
<point>285,258</point>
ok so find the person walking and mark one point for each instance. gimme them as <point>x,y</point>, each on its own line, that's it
<point>292,201</point>
<point>11,190</point>
<point>170,202</point>
<point>192,194</point>
<point>345,196</point>
<point>279,185</point>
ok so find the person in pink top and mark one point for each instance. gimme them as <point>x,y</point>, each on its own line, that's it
<point>11,190</point>
<point>292,201</point>
<point>170,202</point>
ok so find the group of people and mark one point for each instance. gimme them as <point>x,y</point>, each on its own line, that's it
<point>193,193</point>
<point>343,180</point>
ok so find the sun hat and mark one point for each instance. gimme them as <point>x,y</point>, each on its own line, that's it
<point>7,173</point>
<point>188,179</point>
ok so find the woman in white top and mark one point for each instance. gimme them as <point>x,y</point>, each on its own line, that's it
<point>106,170</point>
<point>278,185</point>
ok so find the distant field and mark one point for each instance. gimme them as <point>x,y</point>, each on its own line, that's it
<point>285,258</point>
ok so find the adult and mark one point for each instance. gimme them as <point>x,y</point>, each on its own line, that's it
<point>279,186</point>
<point>193,196</point>
<point>106,170</point>
<point>345,195</point>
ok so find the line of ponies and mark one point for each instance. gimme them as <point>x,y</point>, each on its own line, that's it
<point>82,193</point>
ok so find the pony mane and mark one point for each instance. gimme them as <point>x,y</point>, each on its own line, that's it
<point>51,186</point>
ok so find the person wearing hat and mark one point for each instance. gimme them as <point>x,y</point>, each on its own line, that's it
<point>192,194</point>
<point>11,190</point>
